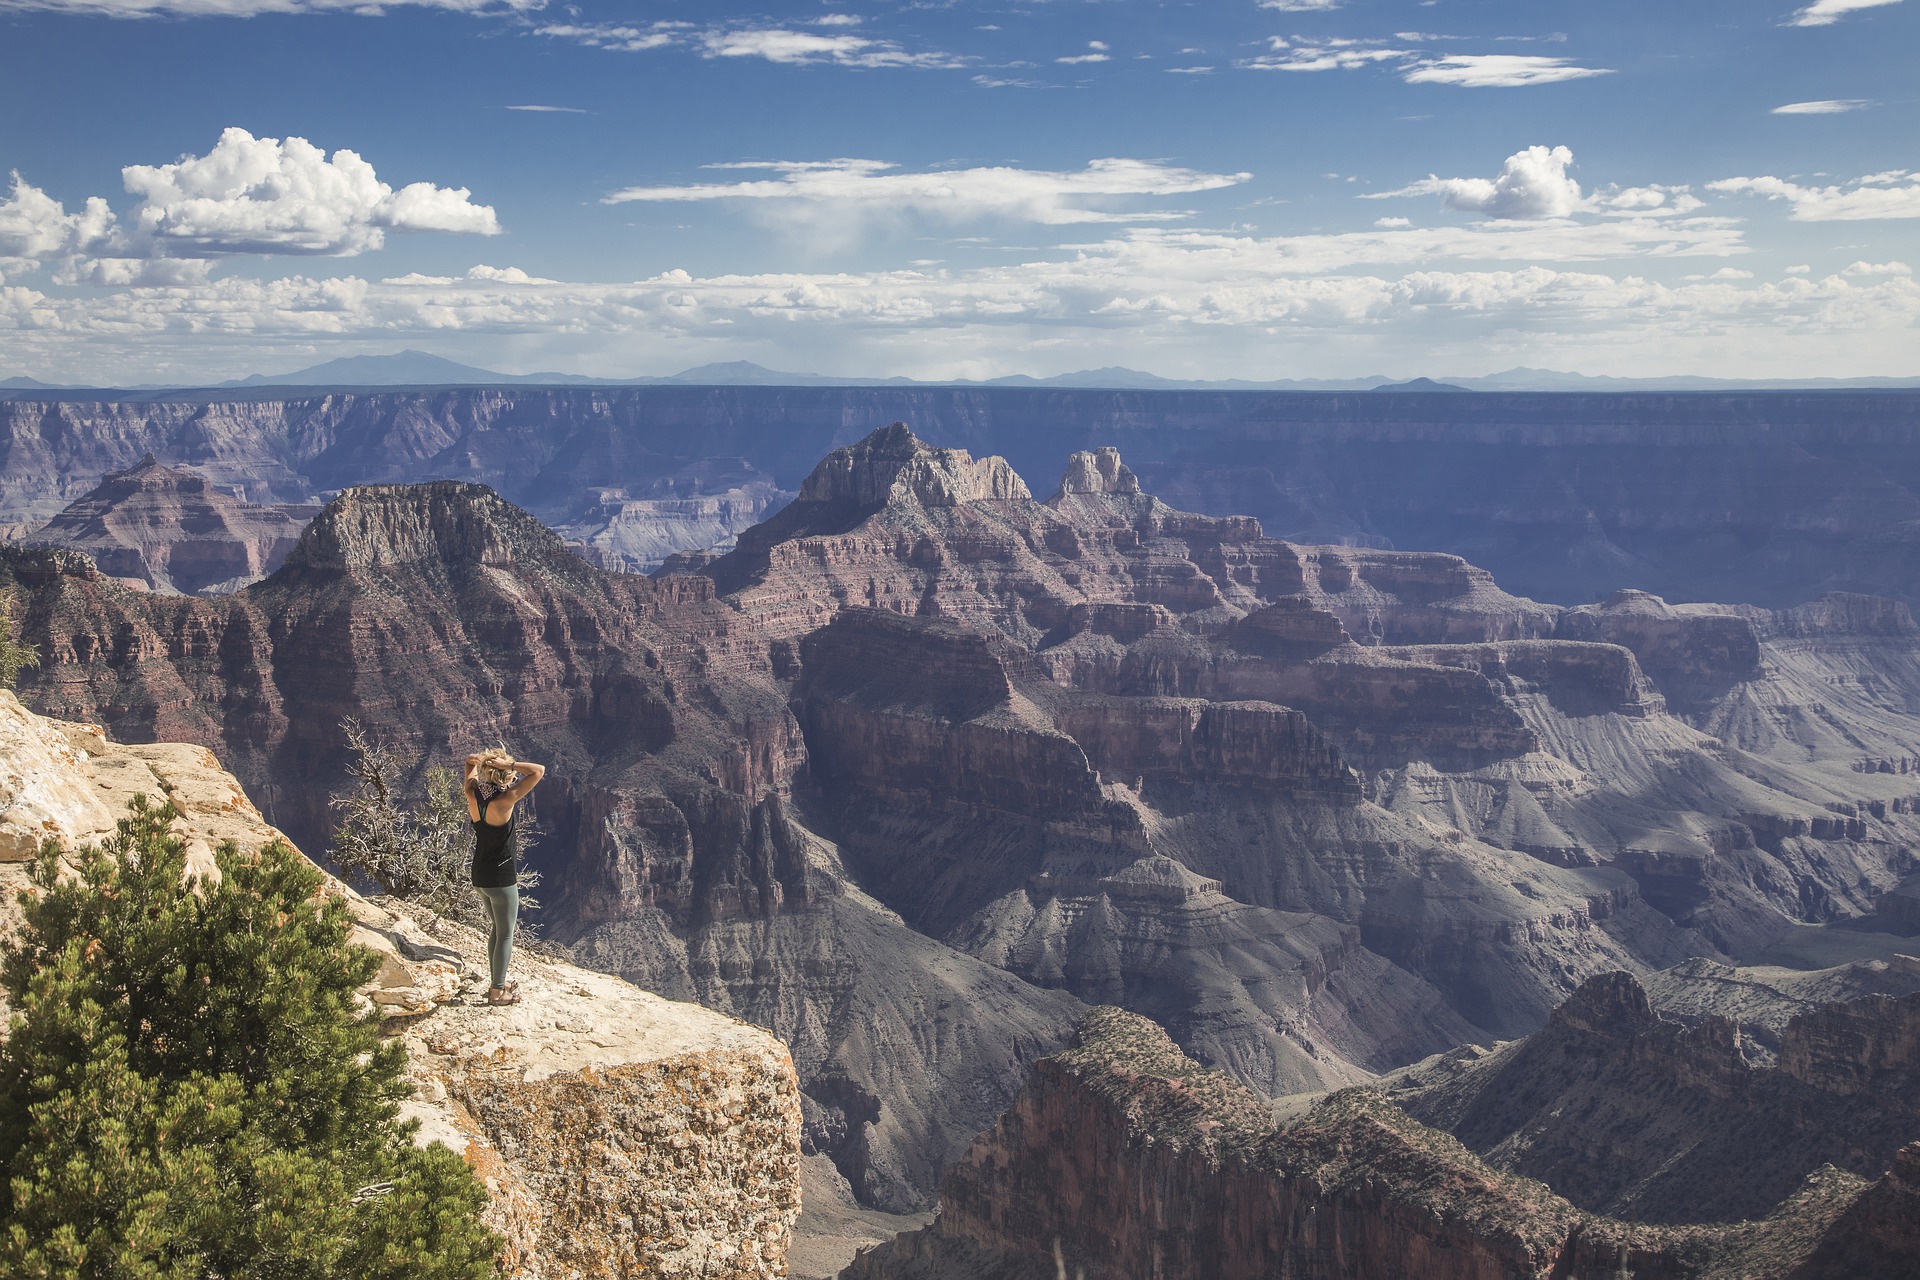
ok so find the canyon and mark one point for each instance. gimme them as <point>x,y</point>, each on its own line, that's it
<point>1124,1158</point>
<point>1769,498</point>
<point>924,768</point>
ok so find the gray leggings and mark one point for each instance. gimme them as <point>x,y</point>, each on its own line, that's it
<point>503,912</point>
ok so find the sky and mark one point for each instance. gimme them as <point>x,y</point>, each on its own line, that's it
<point>1256,189</point>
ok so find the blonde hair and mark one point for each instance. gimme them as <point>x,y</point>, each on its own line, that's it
<point>496,767</point>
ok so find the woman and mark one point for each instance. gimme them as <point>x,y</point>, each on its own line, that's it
<point>495,782</point>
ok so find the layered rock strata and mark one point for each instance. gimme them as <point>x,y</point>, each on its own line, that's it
<point>1770,498</point>
<point>617,1133</point>
<point>1626,1113</point>
<point>443,618</point>
<point>168,529</point>
<point>924,752</point>
<point>1122,1158</point>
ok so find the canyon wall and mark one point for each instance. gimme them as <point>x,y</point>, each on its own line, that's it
<point>1625,1112</point>
<point>1768,498</point>
<point>925,764</point>
<point>1122,1158</point>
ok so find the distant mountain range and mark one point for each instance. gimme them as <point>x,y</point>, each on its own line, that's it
<point>423,369</point>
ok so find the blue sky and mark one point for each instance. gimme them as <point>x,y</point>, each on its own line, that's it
<point>967,188</point>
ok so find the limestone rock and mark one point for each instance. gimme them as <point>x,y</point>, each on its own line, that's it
<point>1099,471</point>
<point>892,464</point>
<point>621,1134</point>
<point>617,1133</point>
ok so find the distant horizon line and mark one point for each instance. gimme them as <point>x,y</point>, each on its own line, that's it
<point>414,369</point>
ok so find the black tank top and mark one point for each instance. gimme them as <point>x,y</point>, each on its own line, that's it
<point>495,854</point>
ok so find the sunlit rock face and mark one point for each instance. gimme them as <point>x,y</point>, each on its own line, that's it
<point>617,1133</point>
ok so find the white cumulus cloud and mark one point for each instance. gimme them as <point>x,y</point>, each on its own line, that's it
<point>1498,70</point>
<point>1532,184</point>
<point>247,195</point>
<point>266,195</point>
<point>1822,13</point>
<point>1894,194</point>
<point>35,227</point>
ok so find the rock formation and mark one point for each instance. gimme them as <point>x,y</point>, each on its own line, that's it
<point>633,529</point>
<point>1627,1113</point>
<point>924,763</point>
<point>1769,498</point>
<point>617,1133</point>
<point>167,529</point>
<point>1123,1158</point>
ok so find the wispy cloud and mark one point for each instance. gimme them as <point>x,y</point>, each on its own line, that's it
<point>256,8</point>
<point>1322,55</point>
<point>777,44</point>
<point>1824,13</point>
<point>1470,70</point>
<point>1892,194</point>
<point>1498,70</point>
<point>836,46</point>
<point>1822,107</point>
<point>531,106</point>
<point>1001,82</point>
<point>1299,6</point>
<point>620,37</point>
<point>849,188</point>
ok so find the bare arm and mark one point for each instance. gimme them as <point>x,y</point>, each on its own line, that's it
<point>530,775</point>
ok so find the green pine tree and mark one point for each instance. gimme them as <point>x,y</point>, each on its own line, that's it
<point>188,1093</point>
<point>15,655</point>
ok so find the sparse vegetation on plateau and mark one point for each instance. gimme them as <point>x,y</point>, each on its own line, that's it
<point>419,848</point>
<point>189,1092</point>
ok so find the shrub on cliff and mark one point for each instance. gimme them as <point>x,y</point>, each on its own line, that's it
<point>187,1091</point>
<point>15,655</point>
<point>420,849</point>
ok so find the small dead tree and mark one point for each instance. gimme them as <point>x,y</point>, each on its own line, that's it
<point>416,847</point>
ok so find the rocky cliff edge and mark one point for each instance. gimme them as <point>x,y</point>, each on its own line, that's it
<point>618,1134</point>
<point>1124,1159</point>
